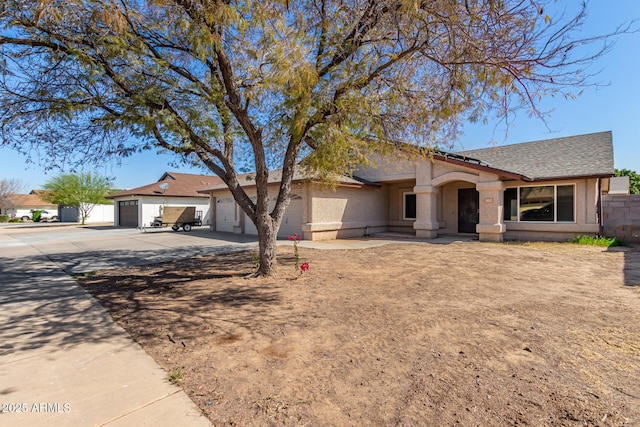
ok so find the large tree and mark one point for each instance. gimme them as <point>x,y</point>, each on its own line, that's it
<point>234,84</point>
<point>83,191</point>
<point>8,186</point>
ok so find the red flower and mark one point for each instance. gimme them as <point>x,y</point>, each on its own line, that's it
<point>304,266</point>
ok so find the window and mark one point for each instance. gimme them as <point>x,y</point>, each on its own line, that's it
<point>409,206</point>
<point>545,203</point>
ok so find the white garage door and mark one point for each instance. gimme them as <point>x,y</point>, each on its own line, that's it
<point>249,227</point>
<point>225,214</point>
<point>292,221</point>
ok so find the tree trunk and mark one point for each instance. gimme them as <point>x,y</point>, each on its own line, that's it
<point>267,239</point>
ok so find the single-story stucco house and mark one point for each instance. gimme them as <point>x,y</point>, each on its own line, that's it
<point>21,205</point>
<point>540,190</point>
<point>138,207</point>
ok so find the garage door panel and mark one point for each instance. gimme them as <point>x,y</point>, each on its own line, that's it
<point>128,213</point>
<point>225,214</point>
<point>292,219</point>
<point>249,226</point>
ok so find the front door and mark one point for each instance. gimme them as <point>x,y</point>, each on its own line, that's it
<point>468,210</point>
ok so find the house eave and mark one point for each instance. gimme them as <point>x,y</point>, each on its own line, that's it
<point>478,165</point>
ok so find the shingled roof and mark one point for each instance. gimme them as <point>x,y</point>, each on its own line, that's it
<point>179,185</point>
<point>275,176</point>
<point>29,201</point>
<point>589,155</point>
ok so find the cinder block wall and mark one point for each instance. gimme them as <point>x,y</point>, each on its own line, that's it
<point>621,217</point>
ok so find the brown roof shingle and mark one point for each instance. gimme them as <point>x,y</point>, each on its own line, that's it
<point>29,201</point>
<point>179,185</point>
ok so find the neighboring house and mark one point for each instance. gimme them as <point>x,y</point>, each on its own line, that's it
<point>541,190</point>
<point>139,206</point>
<point>23,204</point>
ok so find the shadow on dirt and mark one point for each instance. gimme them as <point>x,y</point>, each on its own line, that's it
<point>41,306</point>
<point>180,296</point>
<point>632,267</point>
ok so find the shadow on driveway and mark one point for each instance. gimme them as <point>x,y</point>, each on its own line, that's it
<point>40,307</point>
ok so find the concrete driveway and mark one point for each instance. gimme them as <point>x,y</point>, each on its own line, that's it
<point>63,361</point>
<point>81,249</point>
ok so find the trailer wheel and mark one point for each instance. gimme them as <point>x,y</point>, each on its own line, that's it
<point>175,227</point>
<point>186,227</point>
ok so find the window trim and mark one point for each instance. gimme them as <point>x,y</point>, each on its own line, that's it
<point>555,203</point>
<point>404,205</point>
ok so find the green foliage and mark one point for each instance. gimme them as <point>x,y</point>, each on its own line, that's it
<point>36,215</point>
<point>256,259</point>
<point>4,218</point>
<point>597,241</point>
<point>83,191</point>
<point>634,179</point>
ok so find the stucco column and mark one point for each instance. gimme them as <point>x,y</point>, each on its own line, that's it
<point>491,228</point>
<point>426,224</point>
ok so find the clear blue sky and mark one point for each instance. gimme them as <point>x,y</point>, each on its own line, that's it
<point>615,107</point>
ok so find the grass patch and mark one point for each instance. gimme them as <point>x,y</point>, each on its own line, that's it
<point>176,376</point>
<point>597,241</point>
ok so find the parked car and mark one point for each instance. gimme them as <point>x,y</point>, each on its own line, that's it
<point>44,216</point>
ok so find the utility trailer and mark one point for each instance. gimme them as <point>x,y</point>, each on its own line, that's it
<point>178,216</point>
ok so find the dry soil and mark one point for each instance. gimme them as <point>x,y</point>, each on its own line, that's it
<point>471,334</point>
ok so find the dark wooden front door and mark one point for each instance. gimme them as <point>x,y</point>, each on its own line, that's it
<point>468,210</point>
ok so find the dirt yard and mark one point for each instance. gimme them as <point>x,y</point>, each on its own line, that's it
<point>468,334</point>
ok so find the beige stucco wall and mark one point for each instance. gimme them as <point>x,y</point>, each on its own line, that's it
<point>345,212</point>
<point>396,190</point>
<point>387,170</point>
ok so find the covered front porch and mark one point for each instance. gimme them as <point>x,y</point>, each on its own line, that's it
<point>458,201</point>
<point>447,199</point>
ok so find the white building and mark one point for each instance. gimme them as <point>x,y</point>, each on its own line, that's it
<point>139,207</point>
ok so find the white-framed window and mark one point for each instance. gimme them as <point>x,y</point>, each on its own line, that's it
<point>408,206</point>
<point>540,203</point>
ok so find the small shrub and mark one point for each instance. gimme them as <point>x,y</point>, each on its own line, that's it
<point>176,376</point>
<point>36,215</point>
<point>4,218</point>
<point>597,241</point>
<point>296,254</point>
<point>15,220</point>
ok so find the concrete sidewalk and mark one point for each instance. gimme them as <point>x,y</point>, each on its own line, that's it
<point>65,362</point>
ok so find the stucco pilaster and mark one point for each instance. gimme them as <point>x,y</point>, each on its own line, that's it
<point>423,173</point>
<point>491,227</point>
<point>426,224</point>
